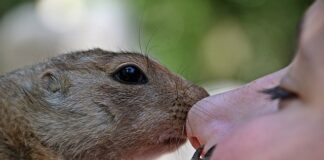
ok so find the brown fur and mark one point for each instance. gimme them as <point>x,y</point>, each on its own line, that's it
<point>71,107</point>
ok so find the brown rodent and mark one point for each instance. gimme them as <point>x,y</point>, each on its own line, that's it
<point>94,104</point>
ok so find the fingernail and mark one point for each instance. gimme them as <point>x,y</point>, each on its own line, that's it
<point>197,154</point>
<point>209,153</point>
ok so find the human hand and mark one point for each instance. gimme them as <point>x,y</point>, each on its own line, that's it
<point>248,125</point>
<point>211,119</point>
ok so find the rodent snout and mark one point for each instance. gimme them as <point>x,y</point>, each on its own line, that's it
<point>193,94</point>
<point>186,98</point>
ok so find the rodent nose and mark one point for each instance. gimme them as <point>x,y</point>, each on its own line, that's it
<point>195,94</point>
<point>202,92</point>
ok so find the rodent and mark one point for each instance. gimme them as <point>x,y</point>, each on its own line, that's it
<point>94,104</point>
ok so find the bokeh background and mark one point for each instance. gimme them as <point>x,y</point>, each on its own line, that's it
<point>206,41</point>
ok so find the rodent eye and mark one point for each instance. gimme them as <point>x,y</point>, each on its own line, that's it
<point>130,74</point>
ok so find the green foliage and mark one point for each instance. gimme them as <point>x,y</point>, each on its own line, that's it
<point>221,39</point>
<point>214,40</point>
<point>6,5</point>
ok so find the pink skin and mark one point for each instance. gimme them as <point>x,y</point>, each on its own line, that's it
<point>216,116</point>
<point>246,125</point>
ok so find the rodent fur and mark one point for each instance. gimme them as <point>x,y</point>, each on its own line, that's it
<point>70,107</point>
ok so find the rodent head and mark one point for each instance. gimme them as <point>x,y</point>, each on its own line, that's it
<point>110,105</point>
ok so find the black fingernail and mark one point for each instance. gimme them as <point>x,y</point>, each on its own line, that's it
<point>209,153</point>
<point>197,154</point>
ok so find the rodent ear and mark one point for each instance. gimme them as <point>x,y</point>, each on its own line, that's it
<point>53,82</point>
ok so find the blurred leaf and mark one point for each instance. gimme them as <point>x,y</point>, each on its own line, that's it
<point>6,5</point>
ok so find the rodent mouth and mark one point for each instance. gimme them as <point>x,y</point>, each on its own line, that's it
<point>177,141</point>
<point>172,138</point>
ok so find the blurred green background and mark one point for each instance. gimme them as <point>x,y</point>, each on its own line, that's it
<point>214,40</point>
<point>222,39</point>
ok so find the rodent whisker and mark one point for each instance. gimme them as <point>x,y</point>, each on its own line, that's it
<point>181,69</point>
<point>147,48</point>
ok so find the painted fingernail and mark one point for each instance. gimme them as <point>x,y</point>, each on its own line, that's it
<point>209,153</point>
<point>197,154</point>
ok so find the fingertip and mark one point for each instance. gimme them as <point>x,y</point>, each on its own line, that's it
<point>194,142</point>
